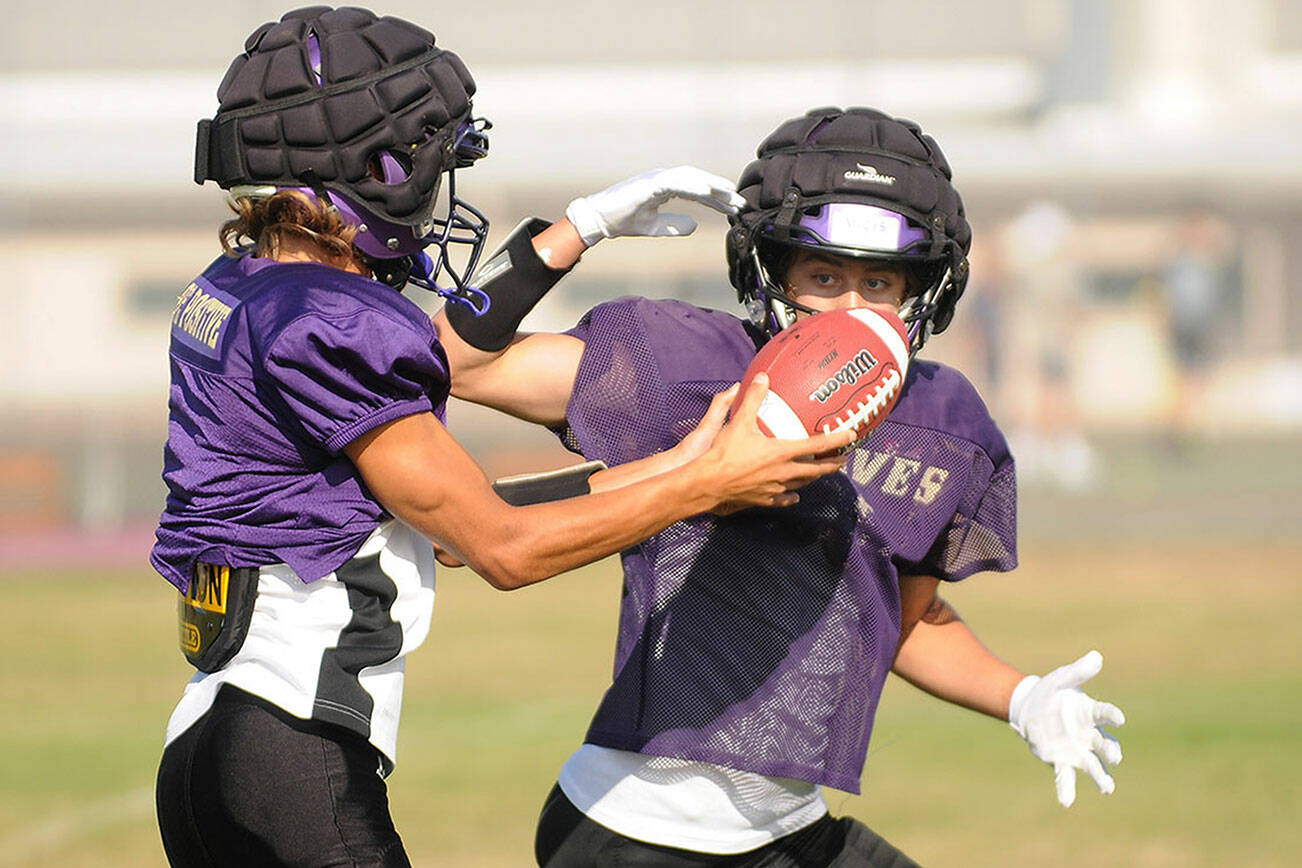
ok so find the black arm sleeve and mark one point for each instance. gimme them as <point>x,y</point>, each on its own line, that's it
<point>514,279</point>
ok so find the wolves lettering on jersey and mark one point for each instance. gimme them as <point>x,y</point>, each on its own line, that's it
<point>900,477</point>
<point>760,641</point>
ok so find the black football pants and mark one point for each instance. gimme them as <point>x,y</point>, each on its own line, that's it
<point>251,785</point>
<point>567,838</point>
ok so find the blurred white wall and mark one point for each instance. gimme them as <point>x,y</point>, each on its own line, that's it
<point>1127,116</point>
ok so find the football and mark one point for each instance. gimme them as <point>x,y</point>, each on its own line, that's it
<point>830,371</point>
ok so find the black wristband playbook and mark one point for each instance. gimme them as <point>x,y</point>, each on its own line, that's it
<point>547,486</point>
<point>514,279</point>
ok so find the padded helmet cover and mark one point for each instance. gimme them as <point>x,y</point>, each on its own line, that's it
<point>382,87</point>
<point>859,155</point>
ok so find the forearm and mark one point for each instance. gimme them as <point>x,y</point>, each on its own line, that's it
<point>415,468</point>
<point>559,245</point>
<point>516,546</point>
<point>423,476</point>
<point>556,537</point>
<point>531,260</point>
<point>942,656</point>
<point>554,247</point>
<point>580,479</point>
<point>635,471</point>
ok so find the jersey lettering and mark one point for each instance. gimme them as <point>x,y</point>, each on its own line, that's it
<point>200,317</point>
<point>929,486</point>
<point>864,467</point>
<point>899,481</point>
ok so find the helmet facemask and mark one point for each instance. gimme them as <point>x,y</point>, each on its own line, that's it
<point>855,230</point>
<point>405,254</point>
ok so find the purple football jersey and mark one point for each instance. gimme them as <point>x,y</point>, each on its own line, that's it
<point>275,367</point>
<point>761,640</point>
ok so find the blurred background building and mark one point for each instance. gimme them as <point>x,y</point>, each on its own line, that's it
<point>1133,172</point>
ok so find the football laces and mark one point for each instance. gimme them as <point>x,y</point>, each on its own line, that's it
<point>867,410</point>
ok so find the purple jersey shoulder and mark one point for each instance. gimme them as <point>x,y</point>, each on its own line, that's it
<point>275,367</point>
<point>940,397</point>
<point>689,342</point>
<point>296,290</point>
<point>651,364</point>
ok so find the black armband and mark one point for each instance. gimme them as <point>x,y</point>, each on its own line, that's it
<point>550,485</point>
<point>514,279</point>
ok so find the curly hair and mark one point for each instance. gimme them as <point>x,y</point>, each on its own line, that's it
<point>265,224</point>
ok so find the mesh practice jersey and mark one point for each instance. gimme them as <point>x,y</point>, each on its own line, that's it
<point>760,641</point>
<point>275,367</point>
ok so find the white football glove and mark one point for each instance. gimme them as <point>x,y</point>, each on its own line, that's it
<point>1061,724</point>
<point>632,207</point>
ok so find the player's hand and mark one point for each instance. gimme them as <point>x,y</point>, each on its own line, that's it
<point>700,438</point>
<point>632,207</point>
<point>1063,725</point>
<point>748,468</point>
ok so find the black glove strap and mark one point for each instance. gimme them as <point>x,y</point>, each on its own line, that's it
<point>514,279</point>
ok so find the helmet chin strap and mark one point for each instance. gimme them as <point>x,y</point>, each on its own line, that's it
<point>424,272</point>
<point>784,311</point>
<point>916,312</point>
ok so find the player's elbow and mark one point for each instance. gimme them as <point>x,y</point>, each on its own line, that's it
<point>511,566</point>
<point>475,383</point>
<point>463,382</point>
<point>509,556</point>
<point>506,581</point>
<point>501,546</point>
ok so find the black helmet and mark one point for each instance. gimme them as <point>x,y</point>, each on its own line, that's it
<point>361,111</point>
<point>852,182</point>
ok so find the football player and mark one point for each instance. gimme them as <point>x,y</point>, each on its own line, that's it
<point>753,647</point>
<point>307,464</point>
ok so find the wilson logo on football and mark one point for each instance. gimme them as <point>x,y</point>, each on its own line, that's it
<point>831,371</point>
<point>849,374</point>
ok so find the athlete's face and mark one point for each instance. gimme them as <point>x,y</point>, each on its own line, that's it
<point>823,281</point>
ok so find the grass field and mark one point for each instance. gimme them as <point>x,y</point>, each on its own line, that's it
<point>1205,661</point>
